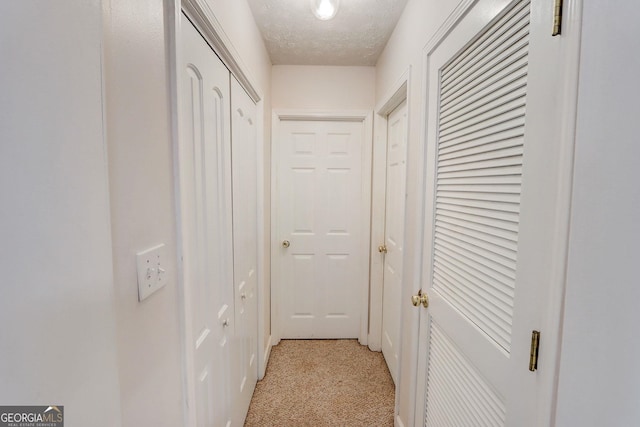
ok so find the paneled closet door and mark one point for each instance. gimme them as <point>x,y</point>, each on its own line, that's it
<point>245,250</point>
<point>393,251</point>
<point>205,222</point>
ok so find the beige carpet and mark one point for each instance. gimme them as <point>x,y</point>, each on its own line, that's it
<point>323,383</point>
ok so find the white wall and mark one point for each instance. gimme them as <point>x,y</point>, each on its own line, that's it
<point>419,21</point>
<point>599,380</point>
<point>323,87</point>
<point>142,209</point>
<point>57,321</point>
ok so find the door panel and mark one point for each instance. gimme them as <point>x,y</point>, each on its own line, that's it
<point>489,220</point>
<point>320,204</point>
<point>245,249</point>
<point>394,235</point>
<point>205,213</point>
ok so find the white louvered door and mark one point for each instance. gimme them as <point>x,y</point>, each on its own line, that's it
<point>489,216</point>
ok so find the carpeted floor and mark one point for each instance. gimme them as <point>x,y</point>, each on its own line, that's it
<point>323,383</point>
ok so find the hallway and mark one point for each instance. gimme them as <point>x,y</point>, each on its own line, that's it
<point>142,259</point>
<point>323,383</point>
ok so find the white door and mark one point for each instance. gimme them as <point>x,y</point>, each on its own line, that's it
<point>394,235</point>
<point>245,249</point>
<point>205,218</point>
<point>322,223</point>
<point>491,209</point>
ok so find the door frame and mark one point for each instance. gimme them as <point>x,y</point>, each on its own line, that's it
<point>205,21</point>
<point>550,350</point>
<point>358,116</point>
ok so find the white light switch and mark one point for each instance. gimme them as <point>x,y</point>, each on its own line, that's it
<point>151,270</point>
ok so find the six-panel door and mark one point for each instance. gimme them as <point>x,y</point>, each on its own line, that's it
<point>320,208</point>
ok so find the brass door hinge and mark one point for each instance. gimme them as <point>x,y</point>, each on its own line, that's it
<point>557,18</point>
<point>535,344</point>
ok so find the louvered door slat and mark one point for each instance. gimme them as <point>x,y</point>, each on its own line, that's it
<point>487,197</point>
<point>492,290</point>
<point>484,103</point>
<point>491,132</point>
<point>487,207</point>
<point>491,124</point>
<point>497,106</point>
<point>506,53</point>
<point>503,24</point>
<point>475,180</point>
<point>481,120</point>
<point>487,172</point>
<point>457,393</point>
<point>484,318</point>
<point>475,147</point>
<point>488,225</point>
<point>501,313</point>
<point>479,176</point>
<point>490,284</point>
<point>508,220</point>
<point>505,73</point>
<point>495,257</point>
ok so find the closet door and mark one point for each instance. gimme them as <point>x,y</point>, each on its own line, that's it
<point>245,250</point>
<point>492,212</point>
<point>205,224</point>
<point>393,250</point>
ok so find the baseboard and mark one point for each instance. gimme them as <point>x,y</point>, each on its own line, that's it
<point>374,346</point>
<point>267,353</point>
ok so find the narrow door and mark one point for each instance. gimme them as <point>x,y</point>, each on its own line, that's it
<point>491,187</point>
<point>205,215</point>
<point>245,249</point>
<point>393,250</point>
<point>322,225</point>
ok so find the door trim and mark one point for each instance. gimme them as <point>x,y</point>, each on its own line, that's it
<point>203,18</point>
<point>552,325</point>
<point>366,118</point>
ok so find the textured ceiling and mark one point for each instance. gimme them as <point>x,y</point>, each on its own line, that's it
<point>356,36</point>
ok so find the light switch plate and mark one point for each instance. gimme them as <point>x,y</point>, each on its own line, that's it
<point>152,273</point>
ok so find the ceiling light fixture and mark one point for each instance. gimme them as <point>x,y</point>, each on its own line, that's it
<point>325,9</point>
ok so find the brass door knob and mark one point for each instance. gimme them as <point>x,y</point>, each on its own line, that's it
<point>382,249</point>
<point>286,243</point>
<point>420,298</point>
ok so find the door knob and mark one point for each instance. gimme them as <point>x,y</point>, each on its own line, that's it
<point>420,298</point>
<point>286,243</point>
<point>382,249</point>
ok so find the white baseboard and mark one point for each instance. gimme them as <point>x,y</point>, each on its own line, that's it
<point>267,353</point>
